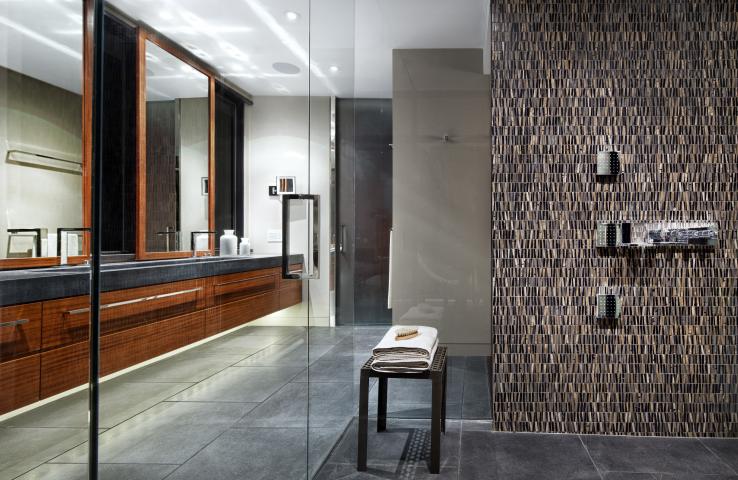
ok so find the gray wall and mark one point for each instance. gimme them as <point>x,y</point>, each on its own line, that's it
<point>38,117</point>
<point>441,196</point>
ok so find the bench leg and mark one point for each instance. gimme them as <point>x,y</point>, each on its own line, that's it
<point>363,421</point>
<point>443,404</point>
<point>435,464</point>
<point>382,405</point>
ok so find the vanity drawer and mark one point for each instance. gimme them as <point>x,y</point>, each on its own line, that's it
<point>20,330</point>
<point>66,321</point>
<point>19,383</point>
<point>233,314</point>
<point>239,286</point>
<point>67,367</point>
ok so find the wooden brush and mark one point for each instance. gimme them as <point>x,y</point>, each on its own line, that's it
<point>406,333</point>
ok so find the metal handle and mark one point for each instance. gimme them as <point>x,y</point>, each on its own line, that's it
<point>314,239</point>
<point>136,300</point>
<point>342,244</point>
<point>14,323</point>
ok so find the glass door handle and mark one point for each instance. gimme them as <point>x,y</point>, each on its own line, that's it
<point>311,257</point>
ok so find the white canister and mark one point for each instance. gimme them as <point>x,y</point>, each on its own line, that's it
<point>245,248</point>
<point>228,243</point>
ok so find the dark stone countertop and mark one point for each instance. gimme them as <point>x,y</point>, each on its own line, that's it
<point>35,285</point>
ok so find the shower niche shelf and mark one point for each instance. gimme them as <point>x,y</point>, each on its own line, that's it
<point>656,235</point>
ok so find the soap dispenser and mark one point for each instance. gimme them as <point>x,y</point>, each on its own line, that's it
<point>245,248</point>
<point>228,242</point>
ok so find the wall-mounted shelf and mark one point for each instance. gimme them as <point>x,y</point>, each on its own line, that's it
<point>656,235</point>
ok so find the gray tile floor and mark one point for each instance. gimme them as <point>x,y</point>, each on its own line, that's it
<point>256,404</point>
<point>471,450</point>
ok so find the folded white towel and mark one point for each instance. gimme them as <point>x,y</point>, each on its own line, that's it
<point>408,356</point>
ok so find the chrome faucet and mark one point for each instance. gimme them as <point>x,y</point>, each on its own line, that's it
<point>64,253</point>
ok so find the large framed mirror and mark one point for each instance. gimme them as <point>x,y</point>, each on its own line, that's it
<point>176,202</point>
<point>45,143</point>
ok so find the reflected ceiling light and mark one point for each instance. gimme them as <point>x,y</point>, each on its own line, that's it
<point>288,40</point>
<point>291,16</point>
<point>40,38</point>
<point>151,57</point>
<point>334,69</point>
<point>280,88</point>
<point>286,68</point>
<point>166,15</point>
<point>236,67</point>
<point>75,17</point>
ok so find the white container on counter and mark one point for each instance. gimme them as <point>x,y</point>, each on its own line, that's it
<point>228,243</point>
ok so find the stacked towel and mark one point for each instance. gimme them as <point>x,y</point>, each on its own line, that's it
<point>405,356</point>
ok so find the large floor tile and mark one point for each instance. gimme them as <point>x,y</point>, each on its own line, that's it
<point>236,344</point>
<point>258,454</point>
<point>333,368</point>
<point>522,456</point>
<point>404,445</point>
<point>272,331</point>
<point>334,471</point>
<point>296,354</point>
<point>119,400</point>
<point>330,405</point>
<point>181,368</point>
<point>106,472</point>
<point>169,433</point>
<point>240,384</point>
<point>23,449</point>
<point>725,448</point>
<point>653,454</point>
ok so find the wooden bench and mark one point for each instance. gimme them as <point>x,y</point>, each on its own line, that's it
<point>436,373</point>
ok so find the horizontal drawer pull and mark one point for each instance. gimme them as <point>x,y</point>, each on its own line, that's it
<point>14,323</point>
<point>136,300</point>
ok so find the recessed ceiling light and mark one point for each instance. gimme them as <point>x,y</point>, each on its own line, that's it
<point>333,69</point>
<point>286,68</point>
<point>291,16</point>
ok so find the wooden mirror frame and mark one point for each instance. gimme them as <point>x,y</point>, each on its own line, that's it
<point>87,72</point>
<point>145,33</point>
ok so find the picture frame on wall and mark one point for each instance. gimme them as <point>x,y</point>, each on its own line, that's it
<point>286,185</point>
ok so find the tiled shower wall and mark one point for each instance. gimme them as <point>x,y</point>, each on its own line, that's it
<point>658,80</point>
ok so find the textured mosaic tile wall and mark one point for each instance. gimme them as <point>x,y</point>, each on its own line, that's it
<point>658,80</point>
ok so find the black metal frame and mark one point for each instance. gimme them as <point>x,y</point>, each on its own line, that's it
<point>37,231</point>
<point>313,256</point>
<point>436,373</point>
<point>96,236</point>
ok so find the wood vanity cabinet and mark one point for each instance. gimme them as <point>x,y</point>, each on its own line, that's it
<point>44,346</point>
<point>20,342</point>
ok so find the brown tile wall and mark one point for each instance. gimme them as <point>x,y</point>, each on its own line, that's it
<point>659,81</point>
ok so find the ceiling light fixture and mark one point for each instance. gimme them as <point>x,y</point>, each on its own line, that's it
<point>291,16</point>
<point>334,69</point>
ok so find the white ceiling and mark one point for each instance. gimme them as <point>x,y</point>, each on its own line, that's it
<point>244,38</point>
<point>169,78</point>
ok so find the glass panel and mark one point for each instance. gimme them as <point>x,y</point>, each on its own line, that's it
<point>41,129</point>
<point>206,357</point>
<point>177,143</point>
<point>43,371</point>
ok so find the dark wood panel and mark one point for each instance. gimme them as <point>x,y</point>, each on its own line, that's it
<point>234,314</point>
<point>234,290</point>
<point>290,295</point>
<point>20,330</point>
<point>66,367</point>
<point>66,321</point>
<point>19,383</point>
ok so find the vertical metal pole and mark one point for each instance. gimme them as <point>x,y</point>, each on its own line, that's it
<point>97,123</point>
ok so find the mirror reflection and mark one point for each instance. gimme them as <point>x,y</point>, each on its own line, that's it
<point>41,129</point>
<point>177,126</point>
